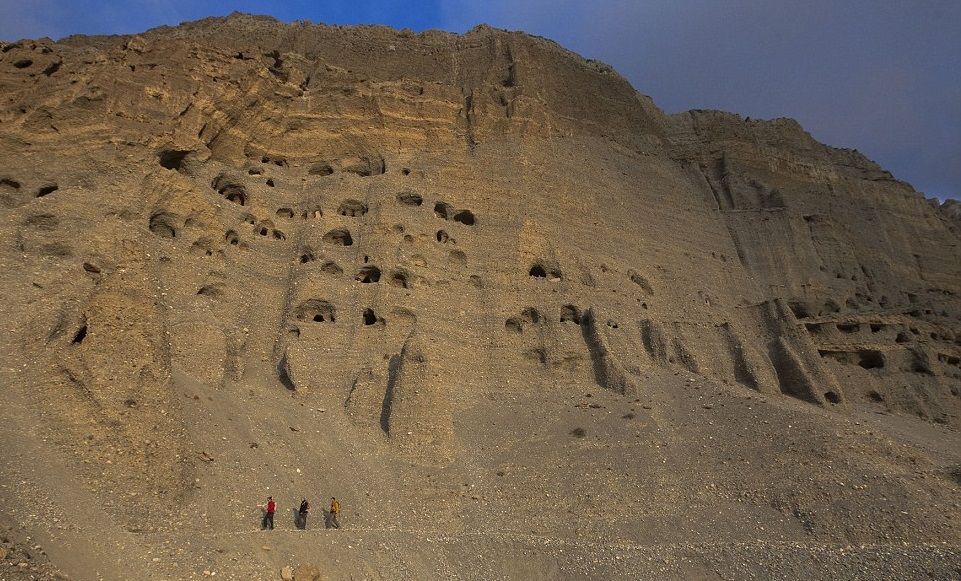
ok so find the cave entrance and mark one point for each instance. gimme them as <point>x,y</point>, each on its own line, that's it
<point>317,311</point>
<point>465,217</point>
<point>173,159</point>
<point>339,237</point>
<point>352,208</point>
<point>368,274</point>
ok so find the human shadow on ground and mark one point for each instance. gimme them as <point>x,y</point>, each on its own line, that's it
<point>300,520</point>
<point>265,522</point>
<point>330,520</point>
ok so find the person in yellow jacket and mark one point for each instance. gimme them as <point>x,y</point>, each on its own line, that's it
<point>333,514</point>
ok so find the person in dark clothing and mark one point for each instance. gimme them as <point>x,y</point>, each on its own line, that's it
<point>269,514</point>
<point>302,513</point>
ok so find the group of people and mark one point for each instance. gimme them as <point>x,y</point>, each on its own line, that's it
<point>330,521</point>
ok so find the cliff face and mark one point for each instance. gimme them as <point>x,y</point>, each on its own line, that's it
<point>868,268</point>
<point>211,229</point>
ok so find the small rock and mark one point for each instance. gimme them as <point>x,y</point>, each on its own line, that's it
<point>287,573</point>
<point>306,572</point>
<point>137,44</point>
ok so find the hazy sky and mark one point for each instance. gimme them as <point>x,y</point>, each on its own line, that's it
<point>882,76</point>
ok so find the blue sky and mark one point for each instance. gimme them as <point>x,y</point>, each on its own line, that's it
<point>882,76</point>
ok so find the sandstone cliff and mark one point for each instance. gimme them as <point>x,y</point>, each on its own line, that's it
<point>236,247</point>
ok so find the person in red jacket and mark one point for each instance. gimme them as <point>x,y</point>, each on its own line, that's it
<point>269,514</point>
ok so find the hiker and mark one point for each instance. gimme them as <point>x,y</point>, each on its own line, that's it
<point>269,514</point>
<point>332,515</point>
<point>302,513</point>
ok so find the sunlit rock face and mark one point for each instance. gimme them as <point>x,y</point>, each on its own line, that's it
<point>401,228</point>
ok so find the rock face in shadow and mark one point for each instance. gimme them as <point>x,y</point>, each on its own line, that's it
<point>398,228</point>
